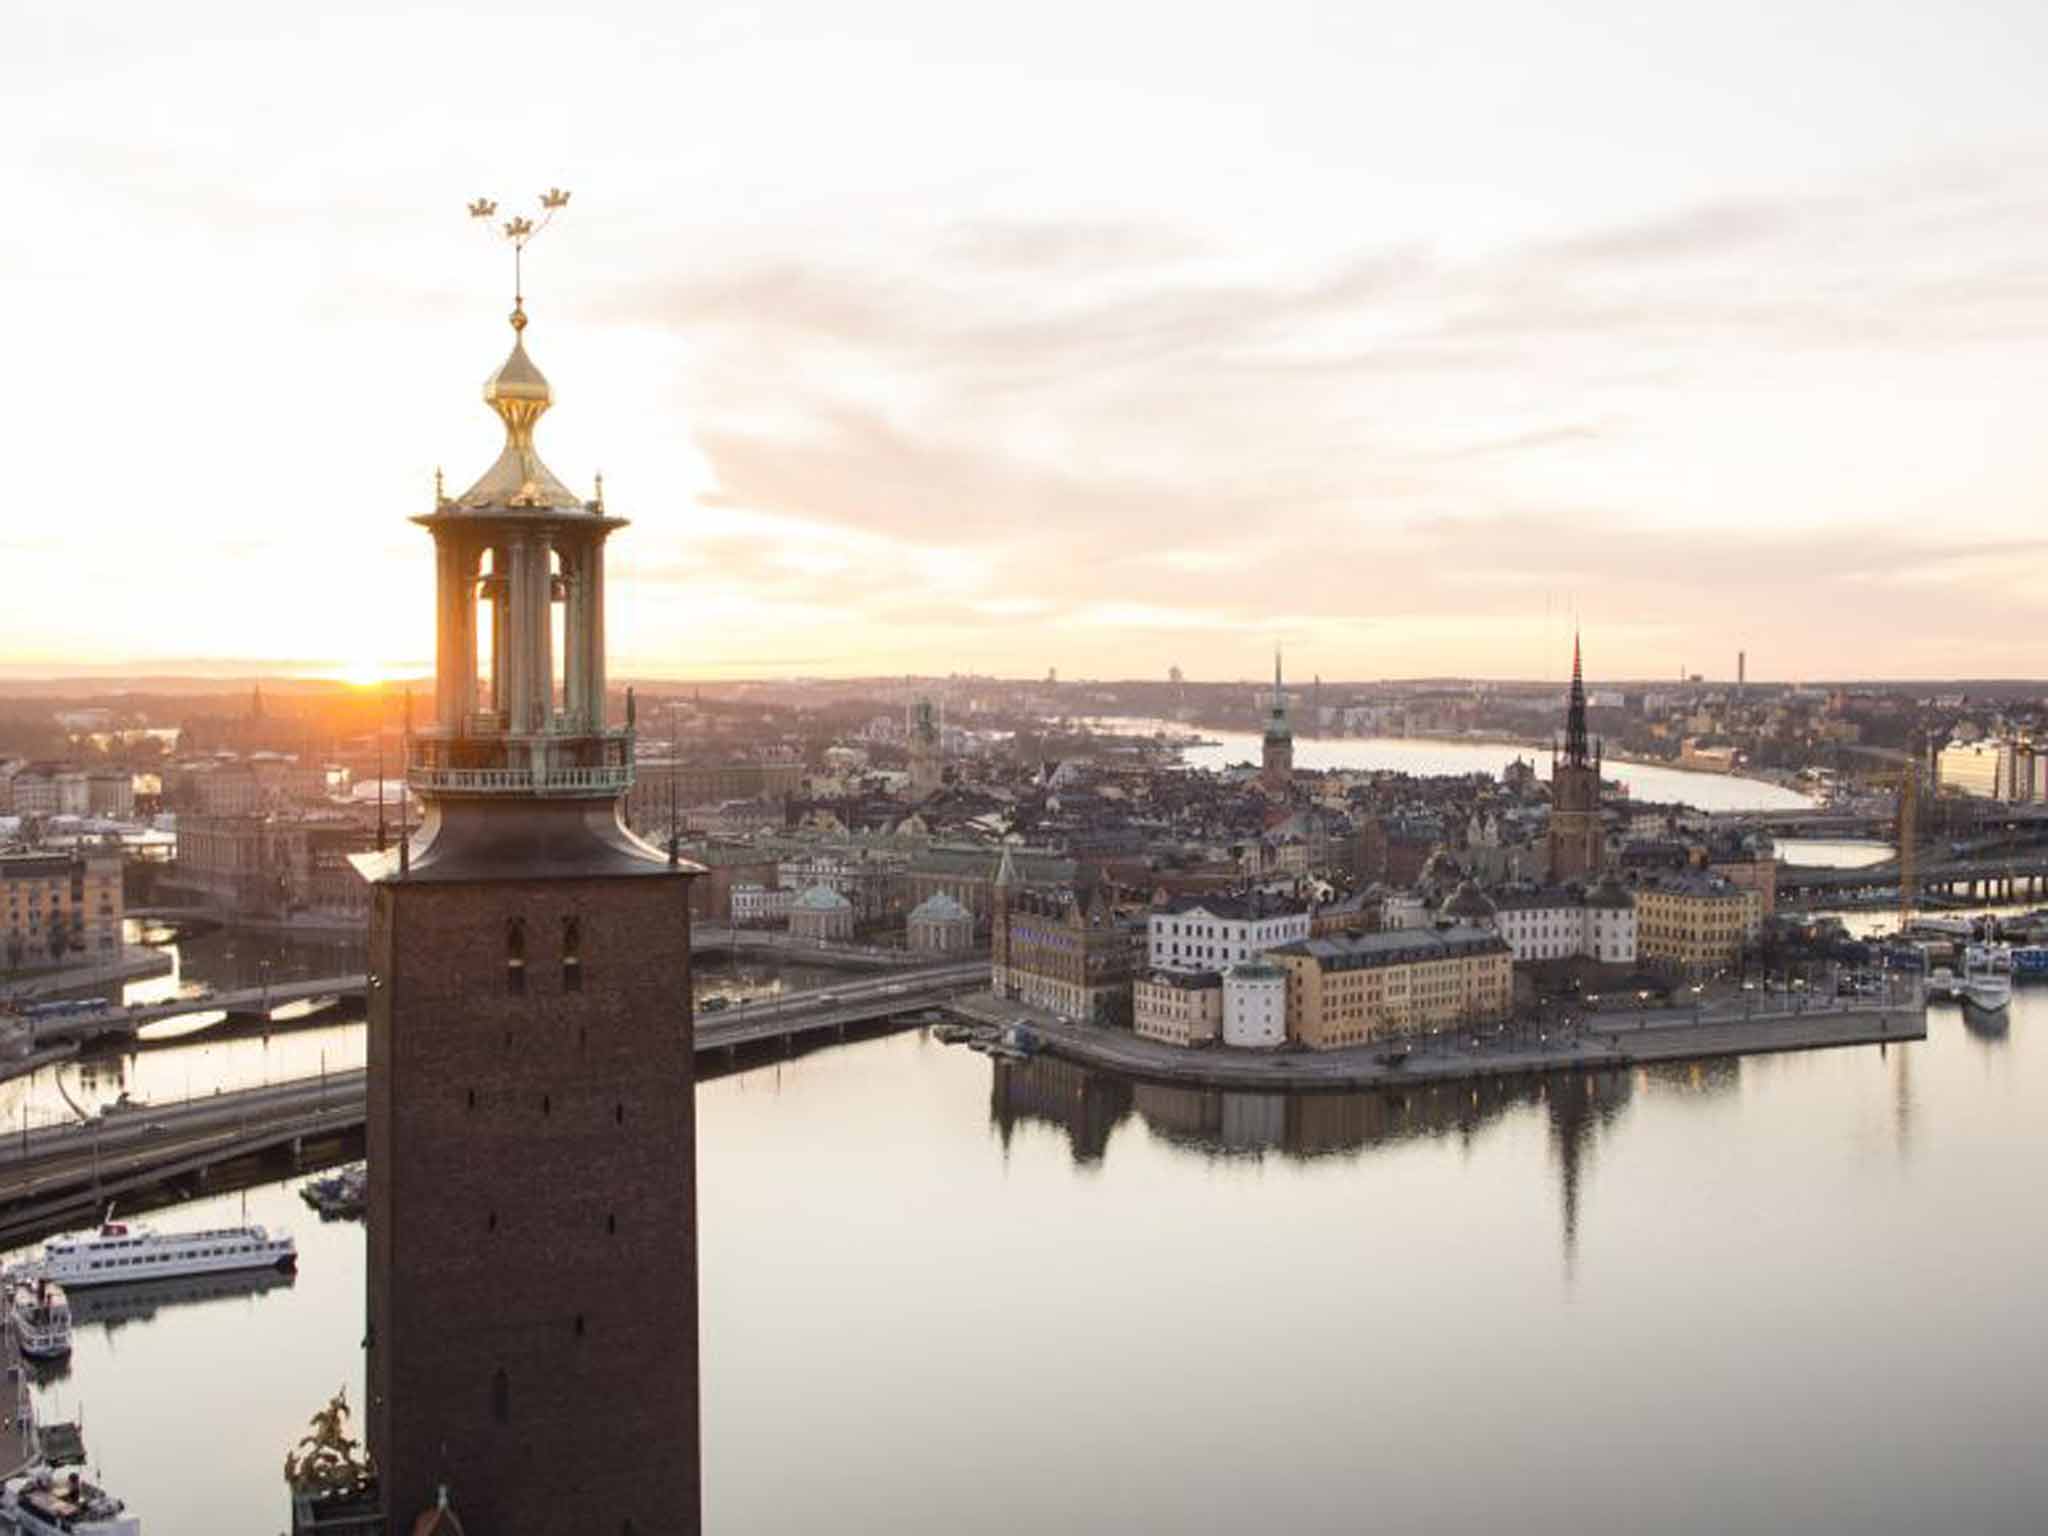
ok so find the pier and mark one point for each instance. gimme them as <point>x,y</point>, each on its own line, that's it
<point>1604,1041</point>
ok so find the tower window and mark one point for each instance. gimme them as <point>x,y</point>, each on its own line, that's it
<point>515,956</point>
<point>501,1396</point>
<point>579,1325</point>
<point>572,954</point>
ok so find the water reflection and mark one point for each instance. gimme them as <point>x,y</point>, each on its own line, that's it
<point>114,1306</point>
<point>1087,1107</point>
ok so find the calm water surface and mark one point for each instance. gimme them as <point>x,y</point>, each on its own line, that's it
<point>1787,1294</point>
<point>1708,791</point>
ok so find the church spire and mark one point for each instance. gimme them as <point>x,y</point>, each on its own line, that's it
<point>1576,751</point>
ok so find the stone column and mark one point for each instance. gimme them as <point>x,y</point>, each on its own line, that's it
<point>515,677</point>
<point>447,615</point>
<point>541,562</point>
<point>593,600</point>
<point>574,680</point>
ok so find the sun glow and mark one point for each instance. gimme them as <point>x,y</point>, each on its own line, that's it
<point>366,672</point>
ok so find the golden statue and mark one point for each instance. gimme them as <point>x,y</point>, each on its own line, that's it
<point>326,1458</point>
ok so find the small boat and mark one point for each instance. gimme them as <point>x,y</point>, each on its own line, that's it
<point>42,1319</point>
<point>1987,977</point>
<point>43,1502</point>
<point>1942,986</point>
<point>122,1251</point>
<point>2030,963</point>
<point>340,1195</point>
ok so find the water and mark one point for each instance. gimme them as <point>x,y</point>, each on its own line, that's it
<point>1786,1294</point>
<point>1834,852</point>
<point>1708,791</point>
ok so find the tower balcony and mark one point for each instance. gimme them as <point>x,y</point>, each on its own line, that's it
<point>578,766</point>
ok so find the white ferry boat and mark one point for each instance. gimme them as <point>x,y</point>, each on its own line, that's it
<point>1987,976</point>
<point>124,1251</point>
<point>42,1319</point>
<point>46,1503</point>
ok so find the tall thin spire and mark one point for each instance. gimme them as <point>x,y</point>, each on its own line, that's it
<point>1576,750</point>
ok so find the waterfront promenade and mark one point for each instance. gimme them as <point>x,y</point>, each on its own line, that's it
<point>1604,1041</point>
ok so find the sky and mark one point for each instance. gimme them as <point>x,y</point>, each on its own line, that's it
<point>1107,337</point>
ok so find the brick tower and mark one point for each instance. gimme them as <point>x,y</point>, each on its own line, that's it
<point>1578,842</point>
<point>532,1295</point>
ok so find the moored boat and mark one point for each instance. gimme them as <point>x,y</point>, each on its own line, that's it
<point>42,1318</point>
<point>1987,977</point>
<point>45,1503</point>
<point>124,1251</point>
<point>2030,963</point>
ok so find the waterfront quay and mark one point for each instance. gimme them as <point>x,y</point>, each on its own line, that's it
<point>1602,1041</point>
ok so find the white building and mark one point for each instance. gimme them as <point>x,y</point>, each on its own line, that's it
<point>1403,909</point>
<point>1209,933</point>
<point>1554,922</point>
<point>1255,1005</point>
<point>755,904</point>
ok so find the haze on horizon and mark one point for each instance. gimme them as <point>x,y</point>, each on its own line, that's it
<point>916,339</point>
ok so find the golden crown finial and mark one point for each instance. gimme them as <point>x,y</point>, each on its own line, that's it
<point>520,231</point>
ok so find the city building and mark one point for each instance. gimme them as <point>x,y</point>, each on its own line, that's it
<point>1578,842</point>
<point>1350,990</point>
<point>1694,924</point>
<point>1178,1007</point>
<point>1568,922</point>
<point>531,1338</point>
<point>1062,950</point>
<point>755,905</point>
<point>1276,762</point>
<point>57,904</point>
<point>1209,933</point>
<point>821,915</point>
<point>939,925</point>
<point>927,757</point>
<point>277,865</point>
<point>1255,1005</point>
<point>665,784</point>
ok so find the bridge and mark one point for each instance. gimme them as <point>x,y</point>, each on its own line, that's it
<point>2000,877</point>
<point>55,1176</point>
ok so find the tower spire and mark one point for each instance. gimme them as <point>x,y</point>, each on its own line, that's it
<point>1576,751</point>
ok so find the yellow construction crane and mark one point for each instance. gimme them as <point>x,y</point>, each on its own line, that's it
<point>1909,842</point>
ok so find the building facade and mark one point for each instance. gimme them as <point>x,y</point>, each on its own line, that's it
<point>755,905</point>
<point>1694,924</point>
<point>821,916</point>
<point>939,925</point>
<point>1568,922</point>
<point>54,905</point>
<point>1178,1007</point>
<point>1209,933</point>
<point>1062,950</point>
<point>1373,986</point>
<point>1255,1006</point>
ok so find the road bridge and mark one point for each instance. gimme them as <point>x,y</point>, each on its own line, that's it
<point>2005,876</point>
<point>55,1175</point>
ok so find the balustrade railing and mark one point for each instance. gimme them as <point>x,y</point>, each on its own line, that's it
<point>520,781</point>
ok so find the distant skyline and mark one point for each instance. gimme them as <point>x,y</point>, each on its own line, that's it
<point>924,339</point>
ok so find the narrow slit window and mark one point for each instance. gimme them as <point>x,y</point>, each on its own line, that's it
<point>572,954</point>
<point>515,956</point>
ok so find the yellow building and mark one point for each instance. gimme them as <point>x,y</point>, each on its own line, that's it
<point>1178,1007</point>
<point>54,905</point>
<point>1350,989</point>
<point>1694,925</point>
